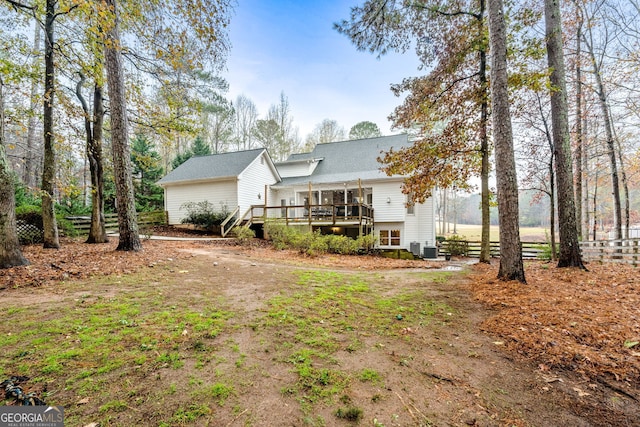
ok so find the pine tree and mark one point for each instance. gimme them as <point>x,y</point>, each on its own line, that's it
<point>146,171</point>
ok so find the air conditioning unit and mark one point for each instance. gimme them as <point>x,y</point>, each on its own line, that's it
<point>430,252</point>
<point>414,247</point>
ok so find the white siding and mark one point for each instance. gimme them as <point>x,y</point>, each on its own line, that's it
<point>287,170</point>
<point>420,227</point>
<point>219,193</point>
<point>284,193</point>
<point>252,181</point>
<point>388,201</point>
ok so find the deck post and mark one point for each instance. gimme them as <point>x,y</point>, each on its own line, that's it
<point>360,205</point>
<point>309,203</point>
<point>266,187</point>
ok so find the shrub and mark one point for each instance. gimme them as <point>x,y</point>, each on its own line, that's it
<point>315,244</point>
<point>284,237</point>
<point>281,236</point>
<point>342,245</point>
<point>367,242</point>
<point>66,226</point>
<point>456,246</point>
<point>203,214</point>
<point>545,253</point>
<point>243,234</point>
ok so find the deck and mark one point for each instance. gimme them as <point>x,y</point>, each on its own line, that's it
<point>340,214</point>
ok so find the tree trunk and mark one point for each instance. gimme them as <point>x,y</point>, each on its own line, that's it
<point>10,253</point>
<point>129,239</point>
<point>569,249</point>
<point>579,137</point>
<point>485,244</point>
<point>93,129</point>
<point>608,127</point>
<point>49,168</point>
<point>585,176</point>
<point>611,150</point>
<point>552,212</point>
<point>511,265</point>
<point>595,201</point>
<point>29,174</point>
<point>625,187</point>
<point>552,177</point>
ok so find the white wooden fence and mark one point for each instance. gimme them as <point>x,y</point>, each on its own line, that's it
<point>624,251</point>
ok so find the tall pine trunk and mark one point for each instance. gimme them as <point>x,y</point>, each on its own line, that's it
<point>49,167</point>
<point>585,178</point>
<point>10,253</point>
<point>29,173</point>
<point>129,239</point>
<point>485,245</point>
<point>93,129</point>
<point>569,255</point>
<point>511,265</point>
<point>579,131</point>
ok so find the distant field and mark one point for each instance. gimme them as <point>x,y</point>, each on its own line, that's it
<point>473,232</point>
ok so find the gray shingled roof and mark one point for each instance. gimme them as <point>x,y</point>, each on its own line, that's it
<point>347,160</point>
<point>225,165</point>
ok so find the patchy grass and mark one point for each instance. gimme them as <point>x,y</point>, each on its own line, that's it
<point>98,343</point>
<point>312,321</point>
<point>223,337</point>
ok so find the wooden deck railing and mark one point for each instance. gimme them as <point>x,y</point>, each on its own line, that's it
<point>325,214</point>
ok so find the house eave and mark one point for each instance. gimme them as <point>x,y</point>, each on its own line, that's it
<point>197,181</point>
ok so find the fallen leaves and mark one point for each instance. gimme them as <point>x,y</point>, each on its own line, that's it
<point>568,318</point>
<point>77,260</point>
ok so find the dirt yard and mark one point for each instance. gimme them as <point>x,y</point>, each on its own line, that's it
<point>209,333</point>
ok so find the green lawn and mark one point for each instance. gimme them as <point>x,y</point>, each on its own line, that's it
<point>473,232</point>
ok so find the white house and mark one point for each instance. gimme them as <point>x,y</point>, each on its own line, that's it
<point>337,188</point>
<point>232,181</point>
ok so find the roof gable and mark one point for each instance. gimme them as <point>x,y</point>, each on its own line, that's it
<point>214,166</point>
<point>349,160</point>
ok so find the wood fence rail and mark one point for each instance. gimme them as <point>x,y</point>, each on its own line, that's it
<point>622,251</point>
<point>470,248</point>
<point>82,224</point>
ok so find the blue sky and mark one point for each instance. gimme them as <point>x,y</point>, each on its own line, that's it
<point>290,46</point>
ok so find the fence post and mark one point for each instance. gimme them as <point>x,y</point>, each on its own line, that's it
<point>602,251</point>
<point>635,253</point>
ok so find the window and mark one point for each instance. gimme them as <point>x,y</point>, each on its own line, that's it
<point>395,237</point>
<point>389,237</point>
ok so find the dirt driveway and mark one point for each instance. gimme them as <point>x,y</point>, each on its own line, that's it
<point>223,336</point>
